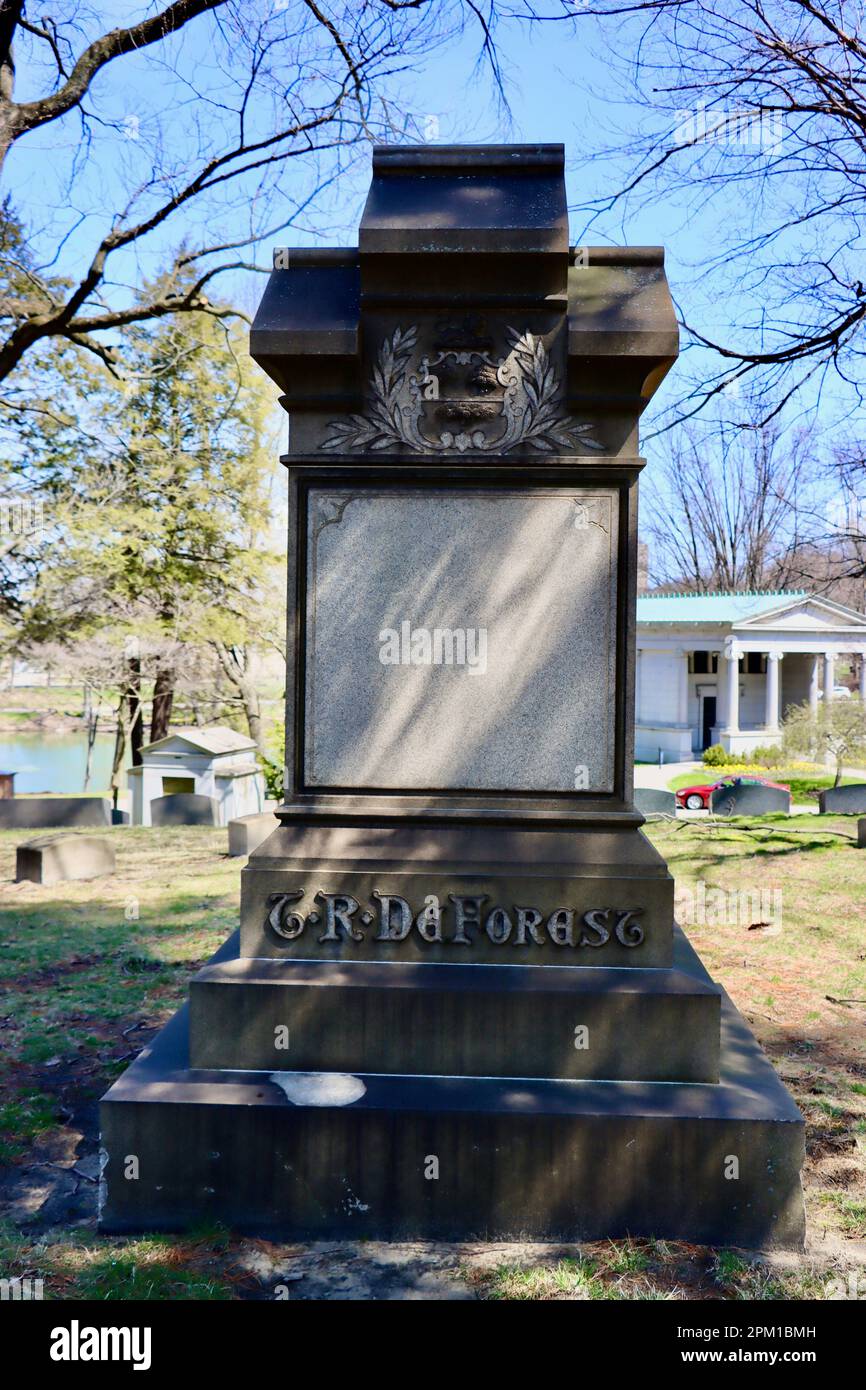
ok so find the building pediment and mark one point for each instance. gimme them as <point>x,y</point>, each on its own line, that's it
<point>213,742</point>
<point>809,614</point>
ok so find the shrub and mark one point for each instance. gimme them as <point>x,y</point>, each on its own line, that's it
<point>717,756</point>
<point>273,775</point>
<point>767,757</point>
<point>271,760</point>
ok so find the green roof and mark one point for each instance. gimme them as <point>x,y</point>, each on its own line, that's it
<point>710,608</point>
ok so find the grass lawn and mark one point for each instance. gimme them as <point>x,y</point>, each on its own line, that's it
<point>89,970</point>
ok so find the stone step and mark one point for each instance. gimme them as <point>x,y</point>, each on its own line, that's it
<point>456,1020</point>
<point>347,1156</point>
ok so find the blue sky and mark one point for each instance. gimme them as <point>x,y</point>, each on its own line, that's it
<point>559,86</point>
<point>564,84</point>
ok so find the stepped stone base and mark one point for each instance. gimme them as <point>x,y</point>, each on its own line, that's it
<point>298,1154</point>
<point>458,1020</point>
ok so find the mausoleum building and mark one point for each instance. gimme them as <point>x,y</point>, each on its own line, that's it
<point>724,668</point>
<point>218,763</point>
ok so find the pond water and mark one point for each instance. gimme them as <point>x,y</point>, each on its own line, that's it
<point>56,762</point>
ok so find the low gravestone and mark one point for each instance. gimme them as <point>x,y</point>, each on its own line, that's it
<point>58,857</point>
<point>653,799</point>
<point>749,799</point>
<point>42,812</point>
<point>183,808</point>
<point>248,832</point>
<point>844,801</point>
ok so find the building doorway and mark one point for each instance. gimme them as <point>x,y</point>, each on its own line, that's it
<point>708,720</point>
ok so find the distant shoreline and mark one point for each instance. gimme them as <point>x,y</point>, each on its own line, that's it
<point>49,722</point>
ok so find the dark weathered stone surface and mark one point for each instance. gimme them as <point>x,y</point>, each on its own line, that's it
<point>59,857</point>
<point>183,808</point>
<point>861,834</point>
<point>749,800</point>
<point>300,1155</point>
<point>45,812</point>
<point>651,800</point>
<point>456,1020</point>
<point>843,801</point>
<point>246,833</point>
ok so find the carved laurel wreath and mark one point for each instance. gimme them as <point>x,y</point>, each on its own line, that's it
<point>529,406</point>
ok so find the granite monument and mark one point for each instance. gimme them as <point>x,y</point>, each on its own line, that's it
<point>458,1005</point>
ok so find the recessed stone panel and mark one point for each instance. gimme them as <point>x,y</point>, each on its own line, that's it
<point>461,639</point>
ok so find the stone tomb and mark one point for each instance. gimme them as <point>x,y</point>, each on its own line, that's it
<point>849,800</point>
<point>655,801</point>
<point>246,833</point>
<point>457,945</point>
<point>184,808</point>
<point>745,798</point>
<point>54,858</point>
<point>45,812</point>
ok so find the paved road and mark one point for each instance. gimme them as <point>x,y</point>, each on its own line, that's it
<point>648,775</point>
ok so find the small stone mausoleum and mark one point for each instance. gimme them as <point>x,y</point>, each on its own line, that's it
<point>217,763</point>
<point>458,1005</point>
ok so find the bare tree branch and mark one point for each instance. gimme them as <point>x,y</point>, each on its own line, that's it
<point>15,119</point>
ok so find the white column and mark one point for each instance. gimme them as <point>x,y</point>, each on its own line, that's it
<point>683,688</point>
<point>814,685</point>
<point>771,706</point>
<point>732,657</point>
<point>638,666</point>
<point>829,672</point>
<point>863,677</point>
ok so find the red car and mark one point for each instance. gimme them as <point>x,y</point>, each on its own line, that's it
<point>698,798</point>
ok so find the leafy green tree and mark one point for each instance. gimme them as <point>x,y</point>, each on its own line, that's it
<point>836,733</point>
<point>158,490</point>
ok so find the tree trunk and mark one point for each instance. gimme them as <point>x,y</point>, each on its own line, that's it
<point>252,709</point>
<point>134,709</point>
<point>119,745</point>
<point>163,699</point>
<point>233,662</point>
<point>91,740</point>
<point>253,712</point>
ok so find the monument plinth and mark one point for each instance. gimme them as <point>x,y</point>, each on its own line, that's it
<point>457,945</point>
